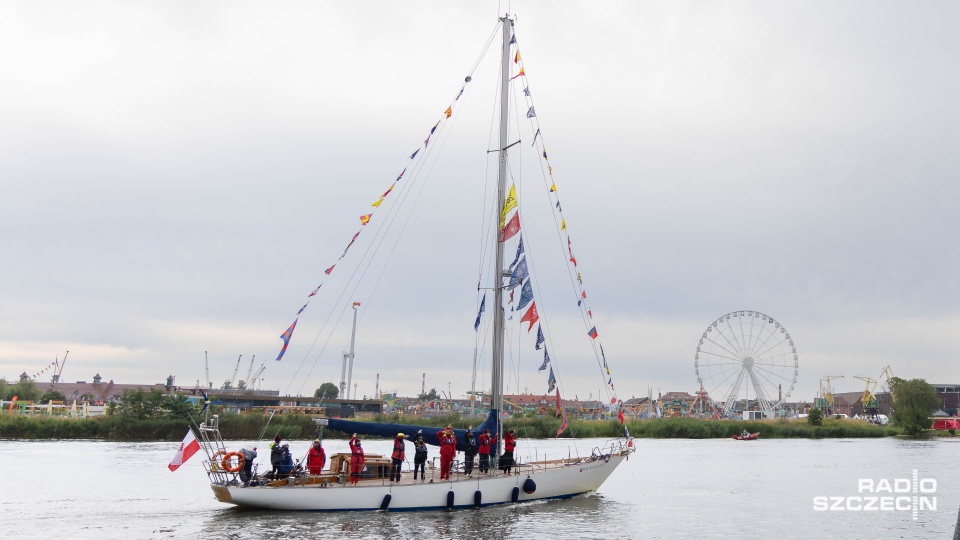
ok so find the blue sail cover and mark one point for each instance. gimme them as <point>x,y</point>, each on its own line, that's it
<point>389,431</point>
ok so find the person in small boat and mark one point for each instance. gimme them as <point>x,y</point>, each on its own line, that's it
<point>506,459</point>
<point>469,451</point>
<point>286,460</point>
<point>356,459</point>
<point>745,434</point>
<point>485,442</point>
<point>248,456</point>
<point>316,458</point>
<point>448,450</point>
<point>419,456</point>
<point>397,457</point>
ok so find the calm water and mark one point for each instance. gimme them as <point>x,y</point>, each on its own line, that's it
<point>669,489</point>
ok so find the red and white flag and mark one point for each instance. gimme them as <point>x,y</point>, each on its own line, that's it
<point>187,449</point>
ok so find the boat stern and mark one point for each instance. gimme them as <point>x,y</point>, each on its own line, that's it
<point>221,493</point>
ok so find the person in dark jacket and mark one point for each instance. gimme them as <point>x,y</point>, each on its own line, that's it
<point>286,460</point>
<point>248,456</point>
<point>419,456</point>
<point>469,451</point>
<point>397,457</point>
<point>276,456</point>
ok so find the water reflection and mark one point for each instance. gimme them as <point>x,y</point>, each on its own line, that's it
<point>569,518</point>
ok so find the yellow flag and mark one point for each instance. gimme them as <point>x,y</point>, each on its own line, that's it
<point>509,204</point>
<point>448,112</point>
<point>553,188</point>
<point>377,204</point>
<point>563,224</point>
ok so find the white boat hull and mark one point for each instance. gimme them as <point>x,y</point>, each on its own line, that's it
<point>561,482</point>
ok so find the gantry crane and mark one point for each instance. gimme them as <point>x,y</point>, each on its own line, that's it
<point>871,406</point>
<point>825,401</point>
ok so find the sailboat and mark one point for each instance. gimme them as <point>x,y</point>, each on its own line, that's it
<point>526,481</point>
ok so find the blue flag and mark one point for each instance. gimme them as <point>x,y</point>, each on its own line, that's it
<point>526,295</point>
<point>483,304</point>
<point>519,253</point>
<point>546,360</point>
<point>414,153</point>
<point>531,113</point>
<point>519,274</point>
<point>540,339</point>
<point>551,381</point>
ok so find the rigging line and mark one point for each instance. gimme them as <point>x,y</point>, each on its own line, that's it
<point>417,166</point>
<point>534,122</point>
<point>384,230</point>
<point>548,182</point>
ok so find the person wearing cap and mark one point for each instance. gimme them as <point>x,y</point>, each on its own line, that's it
<point>448,450</point>
<point>469,451</point>
<point>316,458</point>
<point>397,457</point>
<point>356,459</point>
<point>419,456</point>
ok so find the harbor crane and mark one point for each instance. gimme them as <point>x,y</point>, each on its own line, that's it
<point>228,384</point>
<point>251,382</point>
<point>825,401</point>
<point>58,369</point>
<point>870,403</point>
<point>245,383</point>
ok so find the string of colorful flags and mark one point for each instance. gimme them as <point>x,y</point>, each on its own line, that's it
<point>365,219</point>
<point>582,301</point>
<point>48,367</point>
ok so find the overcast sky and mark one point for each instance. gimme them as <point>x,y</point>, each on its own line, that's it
<point>177,176</point>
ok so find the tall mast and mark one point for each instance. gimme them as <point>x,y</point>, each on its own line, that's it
<point>496,386</point>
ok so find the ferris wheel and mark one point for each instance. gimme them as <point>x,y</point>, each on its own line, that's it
<point>746,356</point>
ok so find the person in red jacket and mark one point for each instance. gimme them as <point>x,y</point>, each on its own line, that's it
<point>397,457</point>
<point>484,441</point>
<point>316,458</point>
<point>509,443</point>
<point>448,449</point>
<point>356,459</point>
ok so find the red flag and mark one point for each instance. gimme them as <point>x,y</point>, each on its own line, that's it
<point>187,449</point>
<point>563,424</point>
<point>559,403</point>
<point>620,416</point>
<point>328,270</point>
<point>531,316</point>
<point>364,219</point>
<point>511,228</point>
<point>613,401</point>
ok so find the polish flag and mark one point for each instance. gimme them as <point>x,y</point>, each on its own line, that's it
<point>187,449</point>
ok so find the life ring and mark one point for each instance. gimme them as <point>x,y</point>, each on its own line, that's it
<point>226,462</point>
<point>215,460</point>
